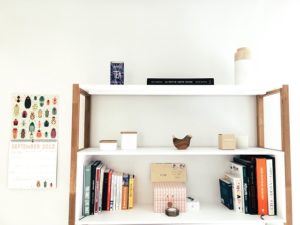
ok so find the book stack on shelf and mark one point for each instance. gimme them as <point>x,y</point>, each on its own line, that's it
<point>106,189</point>
<point>249,186</point>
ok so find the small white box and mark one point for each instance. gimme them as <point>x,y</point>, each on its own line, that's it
<point>128,140</point>
<point>108,145</point>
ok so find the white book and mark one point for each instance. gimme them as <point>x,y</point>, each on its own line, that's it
<point>236,191</point>
<point>270,185</point>
<point>238,170</point>
<point>115,191</point>
<point>119,194</point>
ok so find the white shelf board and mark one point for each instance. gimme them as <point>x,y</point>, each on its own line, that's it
<point>208,214</point>
<point>174,89</point>
<point>172,151</point>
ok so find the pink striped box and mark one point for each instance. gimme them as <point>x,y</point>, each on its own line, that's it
<point>164,192</point>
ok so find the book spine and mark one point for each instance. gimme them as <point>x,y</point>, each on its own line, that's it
<point>108,190</point>
<point>180,81</point>
<point>270,185</point>
<point>120,177</point>
<point>105,188</point>
<point>124,197</point>
<point>262,193</point>
<point>238,170</point>
<point>130,192</point>
<point>101,186</point>
<point>125,183</point>
<point>97,185</point>
<point>112,192</point>
<point>274,185</point>
<point>115,193</point>
<point>87,189</point>
<point>93,185</point>
<point>246,191</point>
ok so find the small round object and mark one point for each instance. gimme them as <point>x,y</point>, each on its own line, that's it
<point>46,123</point>
<point>40,113</point>
<point>42,101</point>
<point>53,133</point>
<point>47,113</point>
<point>27,102</point>
<point>54,111</point>
<point>172,211</point>
<point>18,99</point>
<point>15,133</point>
<point>24,114</point>
<point>39,134</point>
<point>23,133</point>
<point>16,110</point>
<point>16,122</point>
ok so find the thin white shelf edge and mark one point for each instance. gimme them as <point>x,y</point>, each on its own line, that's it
<point>208,214</point>
<point>171,151</point>
<point>174,89</point>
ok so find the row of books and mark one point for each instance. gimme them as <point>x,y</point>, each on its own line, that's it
<point>250,185</point>
<point>106,189</point>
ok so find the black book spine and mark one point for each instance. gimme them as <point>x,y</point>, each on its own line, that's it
<point>274,180</point>
<point>93,184</point>
<point>252,192</point>
<point>104,190</point>
<point>180,81</point>
<point>246,191</point>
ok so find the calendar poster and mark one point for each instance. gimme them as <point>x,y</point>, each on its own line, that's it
<point>32,165</point>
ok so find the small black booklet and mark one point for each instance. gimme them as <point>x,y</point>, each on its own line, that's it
<point>180,81</point>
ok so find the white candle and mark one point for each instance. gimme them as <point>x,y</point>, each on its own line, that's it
<point>242,141</point>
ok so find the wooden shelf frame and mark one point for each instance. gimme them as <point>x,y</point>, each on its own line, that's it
<point>285,130</point>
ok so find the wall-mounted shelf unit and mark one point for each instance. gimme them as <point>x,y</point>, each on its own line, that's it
<point>197,159</point>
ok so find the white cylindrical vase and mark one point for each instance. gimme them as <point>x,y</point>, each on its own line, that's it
<point>243,66</point>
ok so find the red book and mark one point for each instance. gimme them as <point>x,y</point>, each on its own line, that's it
<point>108,190</point>
<point>261,182</point>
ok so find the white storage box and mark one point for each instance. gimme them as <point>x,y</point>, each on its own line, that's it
<point>128,140</point>
<point>108,145</point>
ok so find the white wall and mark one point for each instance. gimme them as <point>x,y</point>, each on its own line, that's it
<point>45,46</point>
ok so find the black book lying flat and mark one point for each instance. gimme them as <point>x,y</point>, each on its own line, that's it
<point>180,81</point>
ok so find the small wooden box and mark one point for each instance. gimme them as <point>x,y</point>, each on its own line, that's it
<point>164,192</point>
<point>108,145</point>
<point>168,172</point>
<point>227,141</point>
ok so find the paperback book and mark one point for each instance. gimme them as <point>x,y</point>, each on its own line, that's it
<point>180,81</point>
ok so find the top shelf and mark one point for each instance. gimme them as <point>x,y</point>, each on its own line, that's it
<point>173,89</point>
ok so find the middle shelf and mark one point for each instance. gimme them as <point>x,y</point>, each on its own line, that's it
<point>171,151</point>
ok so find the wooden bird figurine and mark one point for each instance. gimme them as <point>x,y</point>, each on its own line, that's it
<point>183,143</point>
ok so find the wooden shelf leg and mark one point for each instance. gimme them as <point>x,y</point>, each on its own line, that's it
<point>285,140</point>
<point>74,149</point>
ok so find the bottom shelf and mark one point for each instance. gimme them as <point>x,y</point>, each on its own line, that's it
<point>208,214</point>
